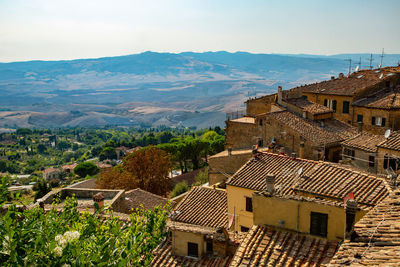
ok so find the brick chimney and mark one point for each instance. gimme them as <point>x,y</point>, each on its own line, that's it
<point>270,182</point>
<point>99,199</point>
<point>350,210</point>
<point>301,150</point>
<point>360,127</point>
<point>280,95</point>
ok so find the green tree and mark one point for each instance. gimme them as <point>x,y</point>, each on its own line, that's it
<point>5,194</point>
<point>41,148</point>
<point>108,153</point>
<point>23,131</point>
<point>42,187</point>
<point>86,168</point>
<point>179,189</point>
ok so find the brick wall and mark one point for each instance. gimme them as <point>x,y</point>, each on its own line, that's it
<point>241,135</point>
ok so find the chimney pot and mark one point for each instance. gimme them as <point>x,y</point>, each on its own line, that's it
<point>294,155</point>
<point>350,210</point>
<point>301,150</point>
<point>270,182</point>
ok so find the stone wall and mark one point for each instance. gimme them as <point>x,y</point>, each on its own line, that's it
<point>222,164</point>
<point>241,135</point>
<point>392,119</point>
<point>88,184</point>
<point>361,159</point>
<point>259,105</point>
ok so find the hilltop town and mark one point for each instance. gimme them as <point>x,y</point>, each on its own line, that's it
<point>307,177</point>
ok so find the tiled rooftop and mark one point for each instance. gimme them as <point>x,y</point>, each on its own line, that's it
<point>364,141</point>
<point>265,246</point>
<point>377,237</point>
<point>336,182</point>
<point>164,257</point>
<point>308,106</point>
<point>355,83</point>
<point>320,179</point>
<point>393,142</point>
<point>137,197</point>
<point>332,131</point>
<point>384,99</point>
<point>203,206</point>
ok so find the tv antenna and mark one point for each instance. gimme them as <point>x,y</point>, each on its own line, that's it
<point>387,133</point>
<point>349,60</point>
<point>370,61</point>
<point>300,171</point>
<point>383,52</point>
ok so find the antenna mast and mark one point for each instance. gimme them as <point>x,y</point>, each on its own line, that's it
<point>383,52</point>
<point>349,65</point>
<point>370,62</point>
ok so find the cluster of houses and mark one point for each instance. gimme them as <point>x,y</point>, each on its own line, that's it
<point>308,178</point>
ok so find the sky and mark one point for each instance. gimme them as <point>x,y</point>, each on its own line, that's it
<point>70,29</point>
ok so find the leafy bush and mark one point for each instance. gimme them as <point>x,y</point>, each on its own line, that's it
<point>179,189</point>
<point>202,177</point>
<point>42,187</point>
<point>70,238</point>
<point>86,168</point>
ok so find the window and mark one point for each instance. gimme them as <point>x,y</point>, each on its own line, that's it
<point>261,122</point>
<point>209,247</point>
<point>325,102</point>
<point>346,107</point>
<point>319,224</point>
<point>371,160</point>
<point>249,204</point>
<point>349,153</point>
<point>334,104</point>
<point>378,121</point>
<point>359,118</point>
<point>193,249</point>
<point>389,163</point>
<point>244,229</point>
<point>260,143</point>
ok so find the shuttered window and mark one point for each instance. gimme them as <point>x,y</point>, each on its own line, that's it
<point>193,249</point>
<point>319,224</point>
<point>249,204</point>
<point>346,107</point>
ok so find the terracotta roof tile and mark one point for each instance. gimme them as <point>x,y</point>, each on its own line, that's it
<point>353,84</point>
<point>384,99</point>
<point>377,237</point>
<point>308,106</point>
<point>203,206</point>
<point>332,131</point>
<point>328,180</point>
<point>265,246</point>
<point>336,182</point>
<point>252,174</point>
<point>164,257</point>
<point>138,197</point>
<point>393,142</point>
<point>364,141</point>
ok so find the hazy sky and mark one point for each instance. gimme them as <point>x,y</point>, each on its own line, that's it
<point>67,29</point>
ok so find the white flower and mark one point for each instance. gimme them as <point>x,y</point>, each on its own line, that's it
<point>71,235</point>
<point>63,242</point>
<point>65,265</point>
<point>58,238</point>
<point>6,245</point>
<point>58,251</point>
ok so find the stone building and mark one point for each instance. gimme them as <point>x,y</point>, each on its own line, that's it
<point>389,155</point>
<point>300,187</point>
<point>361,151</point>
<point>199,232</point>
<point>51,173</point>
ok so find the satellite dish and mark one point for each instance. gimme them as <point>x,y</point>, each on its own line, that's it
<point>387,133</point>
<point>300,171</point>
<point>358,66</point>
<point>381,76</point>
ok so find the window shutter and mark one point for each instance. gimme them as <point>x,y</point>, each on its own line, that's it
<point>373,121</point>
<point>325,102</point>
<point>383,121</point>
<point>334,103</point>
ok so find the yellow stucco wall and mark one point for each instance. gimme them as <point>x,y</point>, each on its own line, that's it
<point>392,119</point>
<point>319,98</point>
<point>296,215</point>
<point>237,206</point>
<point>180,240</point>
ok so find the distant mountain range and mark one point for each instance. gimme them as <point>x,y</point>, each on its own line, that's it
<point>151,89</point>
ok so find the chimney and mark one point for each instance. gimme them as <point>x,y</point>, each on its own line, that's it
<point>229,151</point>
<point>360,126</point>
<point>270,182</point>
<point>280,95</point>
<point>255,150</point>
<point>341,75</point>
<point>301,150</point>
<point>293,155</point>
<point>99,199</point>
<point>350,210</point>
